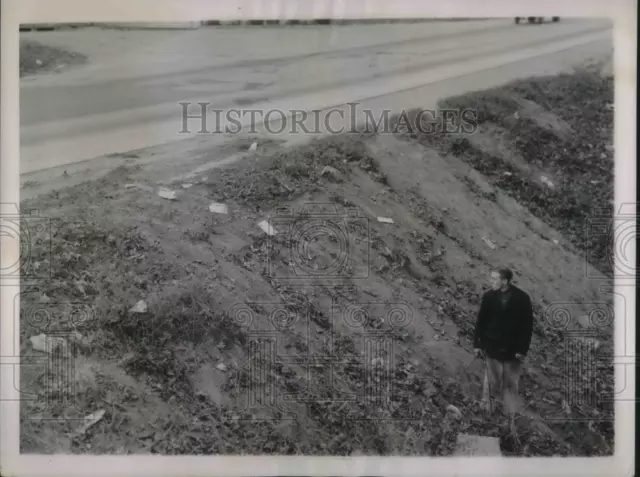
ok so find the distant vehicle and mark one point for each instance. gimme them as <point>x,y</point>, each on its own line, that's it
<point>536,19</point>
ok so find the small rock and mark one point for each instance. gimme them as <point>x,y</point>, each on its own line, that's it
<point>39,62</point>
<point>45,299</point>
<point>222,367</point>
<point>129,186</point>
<point>167,194</point>
<point>516,115</point>
<point>140,307</point>
<point>187,186</point>
<point>253,146</point>
<point>217,208</point>
<point>507,173</point>
<point>385,220</point>
<point>267,228</point>
<point>555,241</point>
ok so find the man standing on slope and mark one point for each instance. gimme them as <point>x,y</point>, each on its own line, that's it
<point>503,335</point>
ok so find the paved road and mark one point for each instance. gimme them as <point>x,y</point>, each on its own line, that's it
<point>76,116</point>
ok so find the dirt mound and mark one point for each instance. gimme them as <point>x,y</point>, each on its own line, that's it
<point>341,334</point>
<point>36,58</point>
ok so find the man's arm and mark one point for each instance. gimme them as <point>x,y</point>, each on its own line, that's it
<point>526,326</point>
<point>480,323</point>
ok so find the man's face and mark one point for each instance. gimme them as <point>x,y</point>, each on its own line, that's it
<point>496,281</point>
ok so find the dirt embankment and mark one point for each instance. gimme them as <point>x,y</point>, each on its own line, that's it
<point>38,58</point>
<point>549,144</point>
<point>341,334</point>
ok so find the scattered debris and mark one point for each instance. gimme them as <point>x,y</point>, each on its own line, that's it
<point>267,228</point>
<point>91,420</point>
<point>585,322</point>
<point>545,180</point>
<point>187,186</point>
<point>489,243</point>
<point>516,115</point>
<point>445,294</point>
<point>454,411</point>
<point>39,343</point>
<point>80,341</point>
<point>610,106</point>
<point>167,194</point>
<point>330,171</point>
<point>253,146</point>
<point>140,307</point>
<point>217,208</point>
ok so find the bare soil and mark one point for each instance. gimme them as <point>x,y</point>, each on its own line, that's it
<point>38,58</point>
<point>341,335</point>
